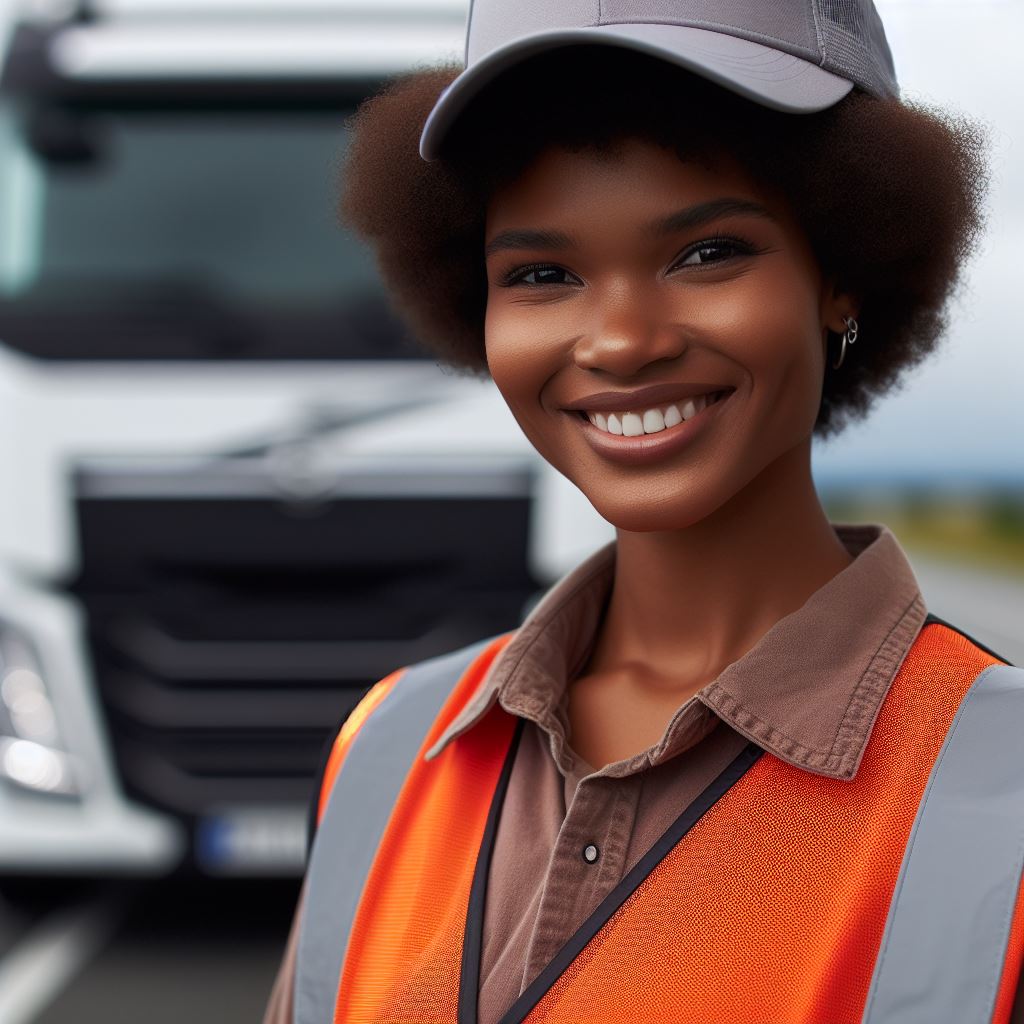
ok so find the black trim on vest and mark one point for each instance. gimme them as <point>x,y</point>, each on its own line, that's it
<point>524,1005</point>
<point>472,940</point>
<point>930,619</point>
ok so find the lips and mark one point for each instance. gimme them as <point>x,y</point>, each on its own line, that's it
<point>655,419</point>
<point>631,447</point>
<point>644,398</point>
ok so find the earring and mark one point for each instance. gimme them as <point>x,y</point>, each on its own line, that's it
<point>849,337</point>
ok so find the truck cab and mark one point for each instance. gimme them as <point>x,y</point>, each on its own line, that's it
<point>236,491</point>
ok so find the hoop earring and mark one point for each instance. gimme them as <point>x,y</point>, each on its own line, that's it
<point>849,337</point>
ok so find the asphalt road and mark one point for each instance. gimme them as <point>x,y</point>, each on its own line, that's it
<point>990,608</point>
<point>206,952</point>
<point>174,952</point>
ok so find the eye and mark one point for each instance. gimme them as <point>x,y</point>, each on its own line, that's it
<point>539,274</point>
<point>713,250</point>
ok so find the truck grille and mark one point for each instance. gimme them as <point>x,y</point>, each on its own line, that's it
<point>230,634</point>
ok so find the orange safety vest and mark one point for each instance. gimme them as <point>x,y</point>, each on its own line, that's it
<point>766,901</point>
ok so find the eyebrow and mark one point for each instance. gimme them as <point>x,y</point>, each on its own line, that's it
<point>681,220</point>
<point>525,238</point>
<point>694,216</point>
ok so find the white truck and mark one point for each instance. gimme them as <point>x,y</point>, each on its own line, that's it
<point>234,492</point>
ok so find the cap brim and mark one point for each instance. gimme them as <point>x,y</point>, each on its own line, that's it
<point>765,75</point>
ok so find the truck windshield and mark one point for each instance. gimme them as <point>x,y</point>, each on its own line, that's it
<point>184,234</point>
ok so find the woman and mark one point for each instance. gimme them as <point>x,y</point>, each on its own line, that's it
<point>682,242</point>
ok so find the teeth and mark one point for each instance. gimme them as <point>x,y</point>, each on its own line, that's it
<point>653,421</point>
<point>632,425</point>
<point>649,421</point>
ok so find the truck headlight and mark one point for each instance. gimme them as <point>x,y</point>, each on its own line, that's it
<point>32,755</point>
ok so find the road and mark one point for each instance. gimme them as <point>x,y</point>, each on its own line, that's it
<point>174,952</point>
<point>990,608</point>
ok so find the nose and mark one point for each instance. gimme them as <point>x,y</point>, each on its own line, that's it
<point>629,333</point>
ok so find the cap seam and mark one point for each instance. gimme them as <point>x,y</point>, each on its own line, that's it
<point>819,34</point>
<point>750,35</point>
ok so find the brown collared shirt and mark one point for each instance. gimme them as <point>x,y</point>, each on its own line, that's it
<point>808,692</point>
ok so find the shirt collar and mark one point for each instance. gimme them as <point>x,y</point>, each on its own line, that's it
<point>808,691</point>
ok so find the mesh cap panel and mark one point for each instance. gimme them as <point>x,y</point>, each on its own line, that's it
<point>855,44</point>
<point>784,24</point>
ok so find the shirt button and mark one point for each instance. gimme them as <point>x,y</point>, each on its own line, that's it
<point>591,853</point>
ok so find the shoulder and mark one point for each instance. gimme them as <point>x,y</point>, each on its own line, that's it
<point>945,658</point>
<point>957,640</point>
<point>432,677</point>
<point>415,691</point>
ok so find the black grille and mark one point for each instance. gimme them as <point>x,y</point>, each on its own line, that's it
<point>229,636</point>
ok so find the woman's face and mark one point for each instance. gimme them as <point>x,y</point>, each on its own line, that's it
<point>624,291</point>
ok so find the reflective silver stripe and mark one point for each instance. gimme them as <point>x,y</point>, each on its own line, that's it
<point>942,953</point>
<point>354,820</point>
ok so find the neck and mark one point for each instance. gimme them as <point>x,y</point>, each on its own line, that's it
<point>686,603</point>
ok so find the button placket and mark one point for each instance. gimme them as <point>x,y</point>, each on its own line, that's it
<point>573,885</point>
<point>620,817</point>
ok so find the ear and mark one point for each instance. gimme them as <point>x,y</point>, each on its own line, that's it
<point>836,302</point>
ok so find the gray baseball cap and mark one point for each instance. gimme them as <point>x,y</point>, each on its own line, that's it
<point>792,55</point>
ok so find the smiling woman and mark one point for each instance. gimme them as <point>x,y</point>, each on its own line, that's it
<point>890,195</point>
<point>651,263</point>
<point>702,780</point>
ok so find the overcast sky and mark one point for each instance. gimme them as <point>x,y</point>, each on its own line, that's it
<point>963,414</point>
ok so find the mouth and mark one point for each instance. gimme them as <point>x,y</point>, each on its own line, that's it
<point>641,435</point>
<point>656,419</point>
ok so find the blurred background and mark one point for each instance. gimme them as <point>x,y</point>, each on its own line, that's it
<point>235,494</point>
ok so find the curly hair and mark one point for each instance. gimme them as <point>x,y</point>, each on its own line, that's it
<point>890,194</point>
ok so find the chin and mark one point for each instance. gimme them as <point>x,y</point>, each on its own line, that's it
<point>651,515</point>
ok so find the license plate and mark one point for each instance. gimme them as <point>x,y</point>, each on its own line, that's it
<point>244,841</point>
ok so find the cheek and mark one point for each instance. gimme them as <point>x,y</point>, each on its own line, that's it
<point>525,346</point>
<point>504,349</point>
<point>501,343</point>
<point>781,348</point>
<point>519,363</point>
